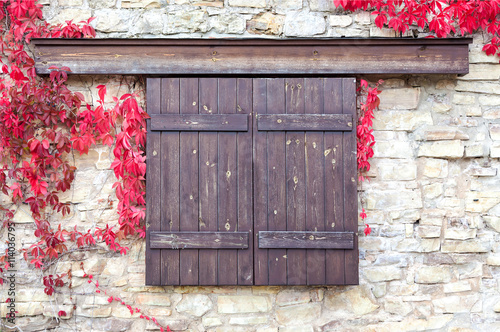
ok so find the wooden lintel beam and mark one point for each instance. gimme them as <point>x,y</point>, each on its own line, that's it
<point>254,56</point>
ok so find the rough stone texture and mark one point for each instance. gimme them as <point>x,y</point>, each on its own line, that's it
<point>433,201</point>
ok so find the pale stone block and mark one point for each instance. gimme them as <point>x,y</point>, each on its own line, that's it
<point>397,171</point>
<point>298,314</point>
<point>476,150</point>
<point>23,215</point>
<point>401,99</point>
<point>472,110</point>
<point>394,200</point>
<point>248,320</point>
<point>304,24</point>
<point>322,6</point>
<point>242,304</point>
<point>74,14</point>
<point>434,168</point>
<point>442,149</point>
<point>229,23</point>
<point>115,266</point>
<point>23,309</point>
<point>397,307</point>
<point>492,114</point>
<point>151,22</point>
<point>99,312</point>
<point>124,312</point>
<point>482,72</point>
<point>141,4</point>
<point>247,3</point>
<point>479,87</point>
<point>155,312</point>
<point>340,20</point>
<point>363,18</point>
<point>463,99</point>
<point>194,304</point>
<point>436,133</point>
<point>294,328</point>
<point>481,201</point>
<point>283,6</point>
<point>401,120</point>
<point>429,231</point>
<point>99,4</point>
<point>382,273</point>
<point>393,83</point>
<point>385,33</point>
<point>457,287</point>
<point>470,270</point>
<point>153,299</point>
<point>476,55</point>
<point>445,84</point>
<point>459,234</point>
<point>186,21</point>
<point>433,275</point>
<point>211,321</point>
<point>493,222</point>
<point>455,304</point>
<point>489,100</point>
<point>475,170</point>
<point>495,150</point>
<point>496,308</point>
<point>290,297</point>
<point>357,301</point>
<point>469,246</point>
<point>393,149</point>
<point>266,23</point>
<point>495,132</point>
<point>348,32</point>
<point>112,20</point>
<point>413,245</point>
<point>68,3</point>
<point>493,259</point>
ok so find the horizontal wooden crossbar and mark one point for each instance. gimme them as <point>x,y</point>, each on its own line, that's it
<point>198,240</point>
<point>303,122</point>
<point>305,240</point>
<point>199,122</point>
<point>316,56</point>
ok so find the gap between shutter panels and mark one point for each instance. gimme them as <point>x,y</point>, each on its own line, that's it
<point>327,272</point>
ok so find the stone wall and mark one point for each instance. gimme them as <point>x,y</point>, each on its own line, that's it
<point>432,261</point>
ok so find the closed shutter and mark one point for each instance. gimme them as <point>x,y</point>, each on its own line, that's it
<point>266,199</point>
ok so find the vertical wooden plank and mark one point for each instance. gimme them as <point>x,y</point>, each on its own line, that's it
<point>334,179</point>
<point>153,194</point>
<point>276,181</point>
<point>245,183</point>
<point>228,184</point>
<point>189,181</point>
<point>261,267</point>
<point>208,181</point>
<point>295,182</point>
<point>350,182</point>
<point>315,186</point>
<point>169,181</point>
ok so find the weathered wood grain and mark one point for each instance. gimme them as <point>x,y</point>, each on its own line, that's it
<point>254,56</point>
<point>199,122</point>
<point>309,122</point>
<point>199,240</point>
<point>305,240</point>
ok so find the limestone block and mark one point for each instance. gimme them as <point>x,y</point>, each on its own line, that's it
<point>229,23</point>
<point>476,55</point>
<point>23,309</point>
<point>475,170</point>
<point>493,259</point>
<point>471,110</point>
<point>414,245</point>
<point>397,307</point>
<point>99,4</point>
<point>434,168</point>
<point>469,246</point>
<point>348,32</point>
<point>481,201</point>
<point>141,3</point>
<point>394,200</point>
<point>339,20</point>
<point>489,100</point>
<point>440,107</point>
<point>211,321</point>
<point>495,132</point>
<point>155,312</point>
<point>153,299</point>
<point>455,304</point>
<point>357,301</point>
<point>124,312</point>
<point>400,99</point>
<point>496,308</point>
<point>294,328</point>
<point>401,120</point>
<point>429,231</point>
<point>112,20</point>
<point>433,274</point>
<point>382,273</point>
<point>283,6</point>
<point>99,312</point>
<point>115,266</point>
<point>493,114</point>
<point>290,297</point>
<point>69,3</point>
<point>248,320</point>
<point>31,295</point>
<point>386,33</point>
<point>266,23</point>
<point>470,270</point>
<point>304,24</point>
<point>389,171</point>
<point>322,6</point>
<point>241,304</point>
<point>463,99</point>
<point>74,14</point>
<point>380,289</point>
<point>247,3</point>
<point>393,149</point>
<point>437,133</point>
<point>442,149</point>
<point>186,21</point>
<point>482,72</point>
<point>459,234</point>
<point>493,222</point>
<point>298,314</point>
<point>457,287</point>
<point>495,150</point>
<point>269,329</point>
<point>479,87</point>
<point>151,22</point>
<point>476,150</point>
<point>194,304</point>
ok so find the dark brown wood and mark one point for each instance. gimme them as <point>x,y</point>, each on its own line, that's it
<point>306,240</point>
<point>199,240</point>
<point>350,183</point>
<point>254,56</point>
<point>170,218</point>
<point>153,188</point>
<point>189,174</point>
<point>199,122</point>
<point>310,122</point>
<point>295,181</point>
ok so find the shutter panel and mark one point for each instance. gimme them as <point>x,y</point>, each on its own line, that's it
<point>199,182</point>
<point>305,182</point>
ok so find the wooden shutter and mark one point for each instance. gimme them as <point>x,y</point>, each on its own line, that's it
<point>305,181</point>
<point>266,199</point>
<point>199,182</point>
